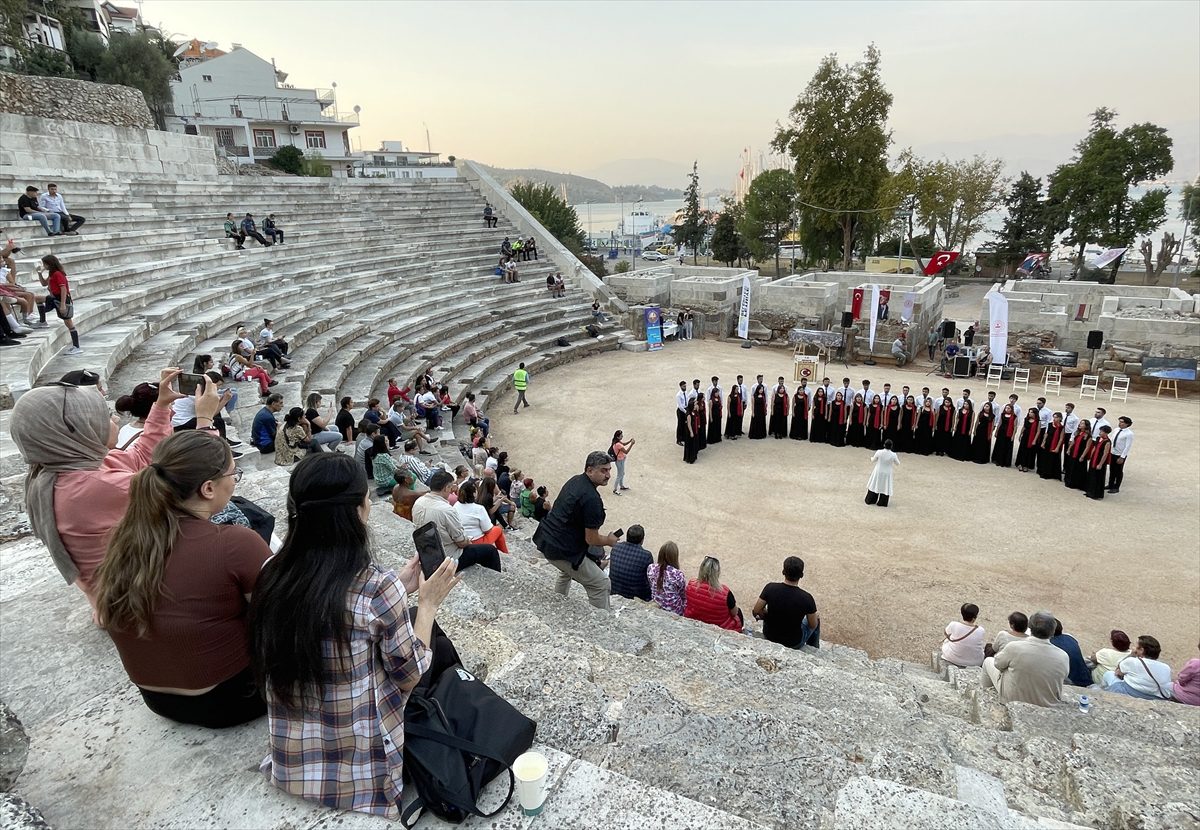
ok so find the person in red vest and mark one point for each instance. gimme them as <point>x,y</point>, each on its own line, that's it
<point>709,601</point>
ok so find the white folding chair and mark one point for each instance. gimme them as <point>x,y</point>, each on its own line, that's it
<point>1089,386</point>
<point>995,373</point>
<point>1021,380</point>
<point>1120,388</point>
<point>1053,381</point>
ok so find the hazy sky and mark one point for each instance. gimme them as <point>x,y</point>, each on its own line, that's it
<point>593,88</point>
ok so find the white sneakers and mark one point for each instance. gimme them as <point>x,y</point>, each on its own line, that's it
<point>74,350</point>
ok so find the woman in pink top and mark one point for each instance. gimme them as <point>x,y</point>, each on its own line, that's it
<point>618,449</point>
<point>1186,688</point>
<point>77,487</point>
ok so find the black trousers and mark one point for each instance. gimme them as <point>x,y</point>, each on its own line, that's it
<point>272,353</point>
<point>486,556</point>
<point>235,701</point>
<point>257,237</point>
<point>240,236</point>
<point>680,425</point>
<point>218,425</point>
<point>275,233</point>
<point>390,431</point>
<point>71,222</point>
<point>1116,474</point>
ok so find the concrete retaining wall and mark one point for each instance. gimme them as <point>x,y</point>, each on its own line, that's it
<point>63,99</point>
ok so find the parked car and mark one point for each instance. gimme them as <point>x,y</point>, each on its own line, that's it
<point>654,256</point>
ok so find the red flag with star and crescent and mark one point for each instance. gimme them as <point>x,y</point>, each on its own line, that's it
<point>856,303</point>
<point>939,262</point>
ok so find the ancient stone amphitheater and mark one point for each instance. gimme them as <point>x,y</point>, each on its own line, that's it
<point>650,721</point>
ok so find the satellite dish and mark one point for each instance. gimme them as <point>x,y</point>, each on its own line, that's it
<point>180,50</point>
<point>357,109</point>
<point>208,47</point>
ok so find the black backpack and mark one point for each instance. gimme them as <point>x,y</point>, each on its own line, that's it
<point>458,736</point>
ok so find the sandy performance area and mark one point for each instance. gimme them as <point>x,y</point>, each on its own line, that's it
<point>886,580</point>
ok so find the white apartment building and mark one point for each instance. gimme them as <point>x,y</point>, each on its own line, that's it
<point>393,161</point>
<point>244,103</point>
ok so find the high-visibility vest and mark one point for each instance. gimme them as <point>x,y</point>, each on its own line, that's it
<point>520,380</point>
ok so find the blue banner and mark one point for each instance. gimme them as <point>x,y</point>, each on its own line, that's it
<point>653,328</point>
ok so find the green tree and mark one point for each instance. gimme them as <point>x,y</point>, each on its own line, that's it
<point>134,60</point>
<point>288,159</point>
<point>1090,195</point>
<point>837,135</point>
<point>770,204</point>
<point>554,214</point>
<point>690,232</point>
<point>1189,212</point>
<point>725,243</point>
<point>47,62</point>
<point>921,246</point>
<point>623,267</point>
<point>86,51</point>
<point>1024,229</point>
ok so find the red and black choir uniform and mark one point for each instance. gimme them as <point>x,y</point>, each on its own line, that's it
<point>905,437</point>
<point>875,425</point>
<point>800,402</point>
<point>694,425</point>
<point>839,414</point>
<point>856,434</point>
<point>1027,449</point>
<point>1076,459</point>
<point>758,412</point>
<point>737,409</point>
<point>780,402</point>
<point>891,421</point>
<point>1050,454</point>
<point>1006,430</point>
<point>1098,458</point>
<point>923,436</point>
<point>981,444</point>
<point>817,428</point>
<point>943,429</point>
<point>702,414</point>
<point>714,416</point>
<point>960,447</point>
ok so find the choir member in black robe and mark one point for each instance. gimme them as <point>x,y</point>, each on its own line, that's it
<point>758,410</point>
<point>1097,465</point>
<point>1006,431</point>
<point>875,423</point>
<point>856,435</point>
<point>1027,447</point>
<point>702,415</point>
<point>908,425</point>
<point>1050,454</point>
<point>737,410</point>
<point>981,444</point>
<point>960,448</point>
<point>692,426</point>
<point>891,420</point>
<point>943,428</point>
<point>926,420</point>
<point>1075,458</point>
<point>715,413</point>
<point>780,402</point>
<point>817,430</point>
<point>800,402</point>
<point>839,414</point>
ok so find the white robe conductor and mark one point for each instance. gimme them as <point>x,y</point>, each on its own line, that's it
<point>881,477</point>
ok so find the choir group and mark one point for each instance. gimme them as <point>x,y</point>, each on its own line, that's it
<point>1079,452</point>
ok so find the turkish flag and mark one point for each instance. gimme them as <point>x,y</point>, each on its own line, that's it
<point>856,303</point>
<point>940,262</point>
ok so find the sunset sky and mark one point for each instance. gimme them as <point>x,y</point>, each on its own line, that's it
<point>632,92</point>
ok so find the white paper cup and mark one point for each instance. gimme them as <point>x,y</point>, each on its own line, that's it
<point>530,771</point>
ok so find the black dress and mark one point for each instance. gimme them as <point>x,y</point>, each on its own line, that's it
<point>837,424</point>
<point>1075,462</point>
<point>943,431</point>
<point>758,412</point>
<point>891,421</point>
<point>691,444</point>
<point>1002,450</point>
<point>1097,467</point>
<point>737,409</point>
<point>818,431</point>
<point>714,417</point>
<point>923,436</point>
<point>1050,453</point>
<point>981,445</point>
<point>778,427</point>
<point>1027,448</point>
<point>856,435</point>
<point>874,427</point>
<point>961,446</point>
<point>908,424</point>
<point>799,429</point>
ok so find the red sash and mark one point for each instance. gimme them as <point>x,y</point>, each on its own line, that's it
<point>735,400</point>
<point>782,400</point>
<point>964,421</point>
<point>1100,453</point>
<point>985,422</point>
<point>839,413</point>
<point>1031,433</point>
<point>821,406</point>
<point>1054,435</point>
<point>860,413</point>
<point>1077,446</point>
<point>946,421</point>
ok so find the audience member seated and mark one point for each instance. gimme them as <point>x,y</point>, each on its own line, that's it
<point>627,566</point>
<point>668,585</point>
<point>447,402</point>
<point>184,414</point>
<point>394,393</point>
<point>489,216</point>
<point>1030,670</point>
<point>711,602</point>
<point>265,427</point>
<point>560,287</point>
<point>788,612</point>
<point>249,228</point>
<point>429,408</point>
<point>475,519</point>
<point>376,416</point>
<point>382,466</point>
<point>366,439</point>
<point>597,314</point>
<point>1018,629</point>
<point>232,231</point>
<point>473,416</point>
<point>434,507</point>
<point>541,504</point>
<point>29,210</point>
<point>1107,659</point>
<point>404,417</point>
<point>269,349</point>
<point>1079,674</point>
<point>414,465</point>
<point>204,363</point>
<point>1141,674</point>
<point>963,643</point>
<point>525,504</point>
<point>267,337</point>
<point>506,247</point>
<point>332,636</point>
<point>516,488</point>
<point>173,590</point>
<point>324,434</point>
<point>272,230</point>
<point>498,505</point>
<point>52,202</point>
<point>15,293</point>
<point>241,365</point>
<point>405,494</point>
<point>77,486</point>
<point>344,421</point>
<point>294,438</point>
<point>529,249</point>
<point>139,404</point>
<point>1186,688</point>
<point>510,272</point>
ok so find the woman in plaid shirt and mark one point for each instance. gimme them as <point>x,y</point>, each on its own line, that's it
<point>334,644</point>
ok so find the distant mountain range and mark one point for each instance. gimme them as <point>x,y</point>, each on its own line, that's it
<point>581,189</point>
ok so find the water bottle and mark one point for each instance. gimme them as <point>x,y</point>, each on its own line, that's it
<point>1085,703</point>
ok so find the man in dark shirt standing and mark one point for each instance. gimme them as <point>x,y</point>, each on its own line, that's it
<point>627,565</point>
<point>573,525</point>
<point>788,612</point>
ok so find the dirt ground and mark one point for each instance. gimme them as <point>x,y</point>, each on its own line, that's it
<point>885,580</point>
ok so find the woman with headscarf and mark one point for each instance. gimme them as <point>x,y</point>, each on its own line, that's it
<point>960,446</point>
<point>77,488</point>
<point>1006,431</point>
<point>818,428</point>
<point>1075,459</point>
<point>856,434</point>
<point>926,421</point>
<point>1027,449</point>
<point>1049,463</point>
<point>839,414</point>
<point>981,444</point>
<point>800,402</point>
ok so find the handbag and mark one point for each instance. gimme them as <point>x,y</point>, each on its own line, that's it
<point>261,522</point>
<point>458,736</point>
<point>1161,693</point>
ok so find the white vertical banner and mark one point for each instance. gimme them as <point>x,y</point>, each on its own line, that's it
<point>874,316</point>
<point>910,304</point>
<point>744,310</point>
<point>998,326</point>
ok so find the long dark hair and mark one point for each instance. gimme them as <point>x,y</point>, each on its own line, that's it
<point>300,599</point>
<point>53,264</point>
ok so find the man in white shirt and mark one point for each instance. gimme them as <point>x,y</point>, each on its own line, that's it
<point>1070,422</point>
<point>885,397</point>
<point>745,392</point>
<point>991,398</point>
<point>904,394</point>
<point>828,387</point>
<point>966,396</point>
<point>1044,415</point>
<point>695,390</point>
<point>847,393</point>
<point>681,399</point>
<point>924,396</point>
<point>708,394</point>
<point>867,392</point>
<point>429,402</point>
<point>52,202</point>
<point>1122,442</point>
<point>1099,421</point>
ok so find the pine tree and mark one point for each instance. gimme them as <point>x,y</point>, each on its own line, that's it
<point>690,232</point>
